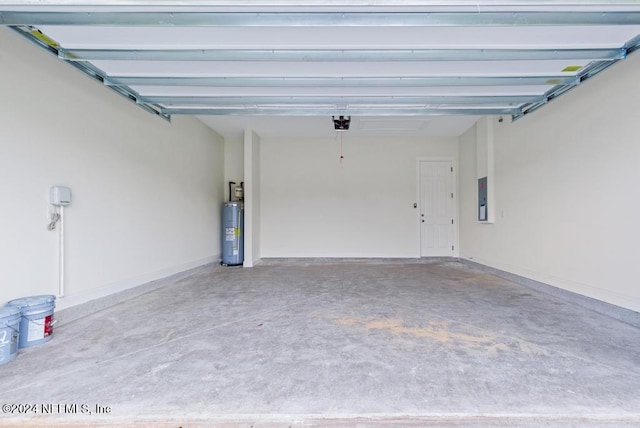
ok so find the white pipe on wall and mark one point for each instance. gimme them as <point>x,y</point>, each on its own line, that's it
<point>61,254</point>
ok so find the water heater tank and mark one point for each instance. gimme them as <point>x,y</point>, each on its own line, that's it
<point>232,234</point>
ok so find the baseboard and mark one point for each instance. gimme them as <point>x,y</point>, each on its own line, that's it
<point>307,261</point>
<point>621,314</point>
<point>71,308</point>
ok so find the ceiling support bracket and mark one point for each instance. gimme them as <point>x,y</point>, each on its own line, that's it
<point>48,44</point>
<point>587,73</point>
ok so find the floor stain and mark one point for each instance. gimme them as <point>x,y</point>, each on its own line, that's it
<point>440,331</point>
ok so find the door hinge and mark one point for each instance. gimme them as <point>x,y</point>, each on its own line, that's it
<point>452,196</point>
<point>452,248</point>
<point>451,169</point>
<point>451,221</point>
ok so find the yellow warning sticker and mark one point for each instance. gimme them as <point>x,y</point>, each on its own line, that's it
<point>44,38</point>
<point>572,68</point>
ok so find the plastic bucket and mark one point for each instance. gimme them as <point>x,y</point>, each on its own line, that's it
<point>36,323</point>
<point>9,332</point>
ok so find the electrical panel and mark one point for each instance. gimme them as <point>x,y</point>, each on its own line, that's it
<point>60,196</point>
<point>482,200</point>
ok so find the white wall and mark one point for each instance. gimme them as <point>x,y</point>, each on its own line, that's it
<point>566,178</point>
<point>146,193</point>
<point>313,207</point>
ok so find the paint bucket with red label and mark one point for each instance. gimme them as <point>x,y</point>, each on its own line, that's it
<point>36,324</point>
<point>9,331</point>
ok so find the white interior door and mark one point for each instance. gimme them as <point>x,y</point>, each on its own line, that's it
<point>436,208</point>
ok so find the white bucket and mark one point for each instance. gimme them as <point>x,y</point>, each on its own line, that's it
<point>36,324</point>
<point>9,332</point>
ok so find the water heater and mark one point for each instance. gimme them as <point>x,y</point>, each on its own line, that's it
<point>232,234</point>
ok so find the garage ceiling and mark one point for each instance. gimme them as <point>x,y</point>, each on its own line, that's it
<point>406,61</point>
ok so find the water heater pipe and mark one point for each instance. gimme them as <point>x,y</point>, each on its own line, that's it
<point>231,183</point>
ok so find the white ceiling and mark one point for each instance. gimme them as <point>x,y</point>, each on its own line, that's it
<point>403,67</point>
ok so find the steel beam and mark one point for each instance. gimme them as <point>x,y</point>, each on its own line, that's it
<point>334,111</point>
<point>342,81</point>
<point>335,55</point>
<point>509,100</point>
<point>323,19</point>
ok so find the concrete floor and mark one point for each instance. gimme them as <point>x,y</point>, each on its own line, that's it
<point>387,343</point>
